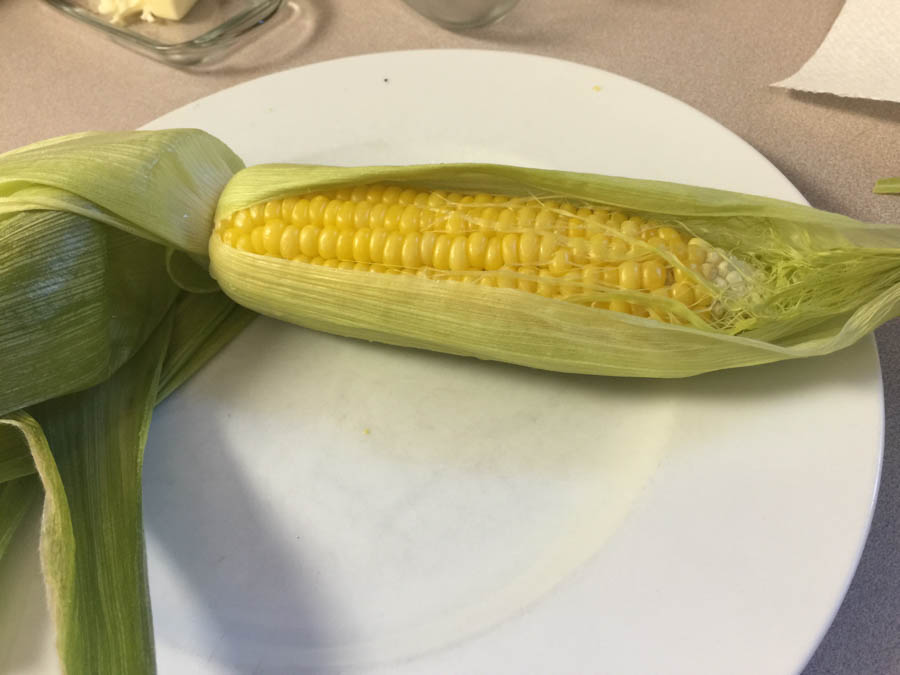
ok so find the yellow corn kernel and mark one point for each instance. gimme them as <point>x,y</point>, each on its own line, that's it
<point>524,219</point>
<point>653,274</point>
<point>317,207</point>
<point>559,263</point>
<point>343,194</point>
<point>393,249</point>
<point>545,221</point>
<point>598,248</point>
<point>630,275</point>
<point>630,229</point>
<point>376,245</point>
<point>441,256</point>
<point>257,214</point>
<point>438,199</point>
<point>579,250</point>
<point>376,215</point>
<point>328,242</point>
<point>272,236</point>
<point>456,223</point>
<point>611,276</point>
<point>409,219</point>
<point>683,293</point>
<point>358,193</point>
<point>346,215</point>
<point>657,243</point>
<point>529,247</point>
<point>696,254</point>
<point>361,214</point>
<point>309,240</point>
<point>427,242</point>
<point>392,217</point>
<point>426,219</point>
<point>409,253</point>
<point>618,249</point>
<point>289,246</point>
<point>408,196</point>
<point>256,240</point>
<point>484,219</point>
<point>272,210</point>
<point>620,306</point>
<point>344,246</point>
<point>331,262</point>
<point>476,247</point>
<point>242,222</point>
<point>391,194</point>
<point>458,258</point>
<point>346,265</point>
<point>639,310</point>
<point>300,213</point>
<point>509,248</point>
<point>578,226</point>
<point>243,243</point>
<point>548,247</point>
<point>493,256</point>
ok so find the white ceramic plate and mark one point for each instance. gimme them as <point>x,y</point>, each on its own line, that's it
<point>327,504</point>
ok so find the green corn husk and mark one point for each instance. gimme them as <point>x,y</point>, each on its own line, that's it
<point>101,235</point>
<point>84,225</point>
<point>827,280</point>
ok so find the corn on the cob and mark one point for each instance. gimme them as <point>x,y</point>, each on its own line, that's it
<point>599,257</point>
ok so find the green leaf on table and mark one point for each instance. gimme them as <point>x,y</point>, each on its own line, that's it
<point>887,186</point>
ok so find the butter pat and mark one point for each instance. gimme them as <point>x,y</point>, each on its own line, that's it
<point>150,10</point>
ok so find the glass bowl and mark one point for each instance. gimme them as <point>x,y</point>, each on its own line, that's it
<point>210,30</point>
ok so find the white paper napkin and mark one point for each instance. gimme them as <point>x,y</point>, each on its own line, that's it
<point>860,56</point>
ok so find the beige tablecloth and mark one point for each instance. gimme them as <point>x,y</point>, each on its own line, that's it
<point>56,76</point>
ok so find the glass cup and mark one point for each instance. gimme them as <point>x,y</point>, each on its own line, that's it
<point>462,14</point>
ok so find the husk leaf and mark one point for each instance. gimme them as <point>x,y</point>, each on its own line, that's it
<point>98,234</point>
<point>85,224</point>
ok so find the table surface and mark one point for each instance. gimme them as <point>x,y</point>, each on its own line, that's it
<point>57,77</point>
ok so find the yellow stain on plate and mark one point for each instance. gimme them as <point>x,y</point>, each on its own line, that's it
<point>367,431</point>
<point>597,87</point>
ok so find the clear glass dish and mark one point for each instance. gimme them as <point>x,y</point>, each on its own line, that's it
<point>210,30</point>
